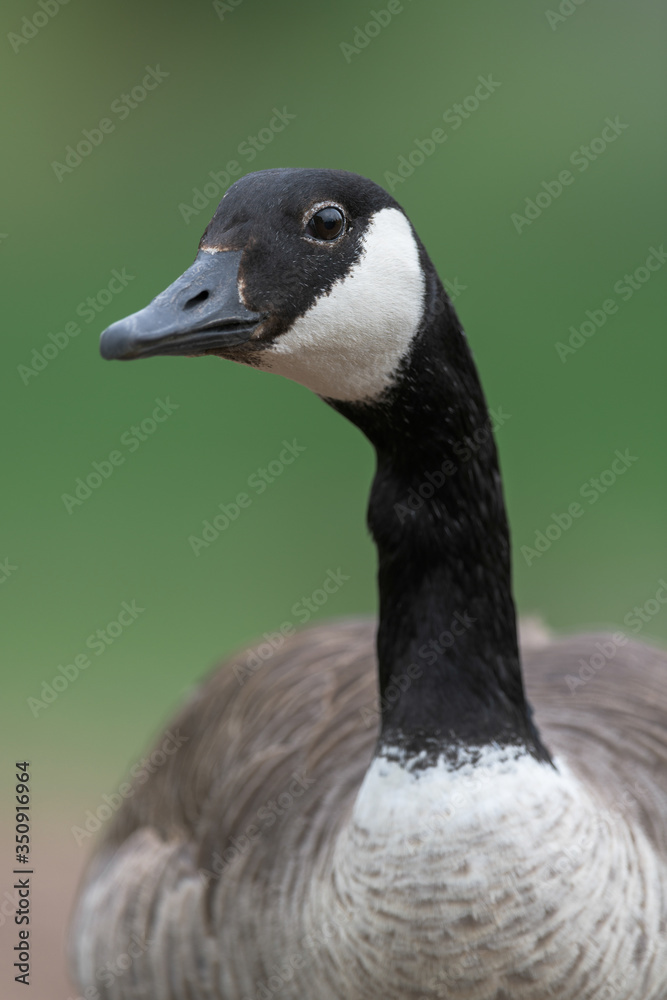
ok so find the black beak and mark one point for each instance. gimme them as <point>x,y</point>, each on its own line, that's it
<point>200,313</point>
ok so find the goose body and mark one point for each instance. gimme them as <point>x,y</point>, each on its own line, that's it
<point>367,816</point>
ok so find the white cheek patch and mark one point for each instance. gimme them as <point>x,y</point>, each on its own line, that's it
<point>350,342</point>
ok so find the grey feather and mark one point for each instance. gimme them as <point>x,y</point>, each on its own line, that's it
<point>312,711</point>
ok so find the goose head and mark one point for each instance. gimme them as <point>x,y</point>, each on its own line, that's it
<point>316,275</point>
<point>319,276</point>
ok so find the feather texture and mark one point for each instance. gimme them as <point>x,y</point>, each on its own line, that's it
<point>236,894</point>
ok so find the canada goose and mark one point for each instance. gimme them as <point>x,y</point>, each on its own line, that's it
<point>304,844</point>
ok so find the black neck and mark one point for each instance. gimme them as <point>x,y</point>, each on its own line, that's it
<point>449,667</point>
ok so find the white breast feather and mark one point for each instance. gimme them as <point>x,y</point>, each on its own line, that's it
<point>501,879</point>
<point>453,877</point>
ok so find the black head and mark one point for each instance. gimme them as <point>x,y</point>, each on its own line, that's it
<point>319,276</point>
<point>313,274</point>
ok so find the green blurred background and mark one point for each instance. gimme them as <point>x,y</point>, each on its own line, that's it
<point>517,295</point>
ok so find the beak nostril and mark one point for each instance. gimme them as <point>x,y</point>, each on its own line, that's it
<point>196,299</point>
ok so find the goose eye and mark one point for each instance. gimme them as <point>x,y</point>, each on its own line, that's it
<point>326,224</point>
